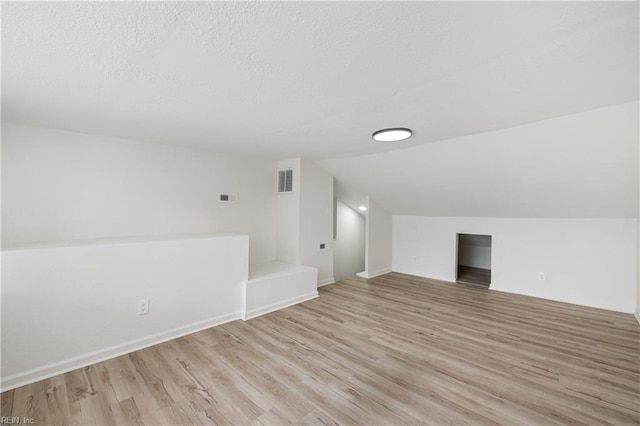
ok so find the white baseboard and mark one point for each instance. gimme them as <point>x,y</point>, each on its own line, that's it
<point>636,313</point>
<point>326,281</point>
<point>278,305</point>
<point>70,364</point>
<point>374,274</point>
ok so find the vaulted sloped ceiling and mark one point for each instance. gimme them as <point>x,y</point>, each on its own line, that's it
<point>315,79</point>
<point>581,165</point>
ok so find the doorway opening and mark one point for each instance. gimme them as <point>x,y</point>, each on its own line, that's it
<point>474,259</point>
<point>348,241</point>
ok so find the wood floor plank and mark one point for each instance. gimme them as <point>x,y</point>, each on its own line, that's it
<point>471,275</point>
<point>124,382</point>
<point>396,349</point>
<point>126,413</point>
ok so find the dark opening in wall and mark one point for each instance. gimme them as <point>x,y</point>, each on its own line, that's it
<point>474,259</point>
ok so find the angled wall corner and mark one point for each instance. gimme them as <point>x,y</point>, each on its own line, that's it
<point>289,215</point>
<point>377,241</point>
<point>316,220</point>
<point>305,218</point>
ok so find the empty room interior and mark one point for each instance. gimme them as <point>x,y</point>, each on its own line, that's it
<point>375,213</point>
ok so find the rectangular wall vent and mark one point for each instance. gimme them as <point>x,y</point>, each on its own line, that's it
<point>285,180</point>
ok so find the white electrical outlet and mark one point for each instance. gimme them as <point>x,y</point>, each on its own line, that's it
<point>541,276</point>
<point>143,307</point>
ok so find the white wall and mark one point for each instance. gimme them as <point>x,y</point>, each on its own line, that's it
<point>289,215</point>
<point>474,256</point>
<point>305,218</point>
<point>637,312</point>
<point>316,220</point>
<point>276,285</point>
<point>59,185</point>
<point>67,306</point>
<point>348,247</point>
<point>590,262</point>
<point>377,240</point>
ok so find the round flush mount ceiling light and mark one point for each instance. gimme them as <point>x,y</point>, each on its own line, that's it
<point>362,208</point>
<point>392,135</point>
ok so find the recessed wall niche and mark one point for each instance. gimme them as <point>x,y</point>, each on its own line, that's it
<point>474,259</point>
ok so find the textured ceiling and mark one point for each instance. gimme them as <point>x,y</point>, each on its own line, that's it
<point>311,79</point>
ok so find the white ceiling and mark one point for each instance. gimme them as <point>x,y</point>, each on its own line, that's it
<point>581,165</point>
<point>311,79</point>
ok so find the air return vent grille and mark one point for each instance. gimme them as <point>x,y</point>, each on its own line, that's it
<point>285,180</point>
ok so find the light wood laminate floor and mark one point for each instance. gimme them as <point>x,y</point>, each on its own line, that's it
<point>388,351</point>
<point>470,275</point>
